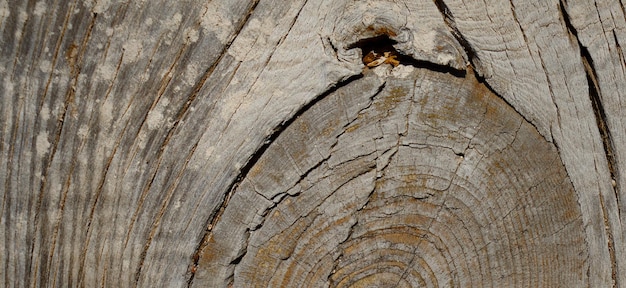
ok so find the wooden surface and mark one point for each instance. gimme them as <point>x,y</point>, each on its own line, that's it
<point>246,143</point>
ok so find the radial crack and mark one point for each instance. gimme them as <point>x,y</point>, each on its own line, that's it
<point>254,158</point>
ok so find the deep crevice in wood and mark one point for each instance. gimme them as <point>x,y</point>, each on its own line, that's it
<point>144,193</point>
<point>596,100</point>
<point>181,113</point>
<point>484,82</point>
<point>379,44</point>
<point>449,20</point>
<point>620,52</point>
<point>623,6</point>
<point>238,259</point>
<point>57,137</point>
<point>213,219</point>
<point>595,97</point>
<point>278,198</point>
<point>179,116</point>
<point>472,56</point>
<point>382,44</point>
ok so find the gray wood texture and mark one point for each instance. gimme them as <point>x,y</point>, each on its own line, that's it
<point>246,143</point>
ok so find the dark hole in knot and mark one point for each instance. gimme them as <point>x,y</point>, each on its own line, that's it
<point>378,50</point>
<point>380,43</point>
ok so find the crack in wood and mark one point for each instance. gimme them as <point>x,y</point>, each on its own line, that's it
<point>351,122</point>
<point>254,158</point>
<point>620,52</point>
<point>280,197</point>
<point>380,49</point>
<point>57,136</point>
<point>98,192</point>
<point>450,22</point>
<point>441,207</point>
<point>484,82</point>
<point>610,243</point>
<point>552,96</point>
<point>277,199</point>
<point>75,69</point>
<point>472,55</point>
<point>333,270</point>
<point>161,150</point>
<point>595,97</point>
<point>312,213</point>
<point>521,28</point>
<point>212,219</point>
<point>181,113</point>
<point>292,24</point>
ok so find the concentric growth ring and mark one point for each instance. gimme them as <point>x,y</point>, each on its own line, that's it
<point>403,184</point>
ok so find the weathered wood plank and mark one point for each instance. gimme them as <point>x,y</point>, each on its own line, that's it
<point>423,175</point>
<point>97,126</point>
<point>603,59</point>
<point>127,129</point>
<point>531,58</point>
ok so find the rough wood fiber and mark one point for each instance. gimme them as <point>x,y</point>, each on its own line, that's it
<point>133,133</point>
<point>532,56</point>
<point>428,185</point>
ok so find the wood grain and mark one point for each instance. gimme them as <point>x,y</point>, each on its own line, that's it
<point>151,143</point>
<point>416,189</point>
